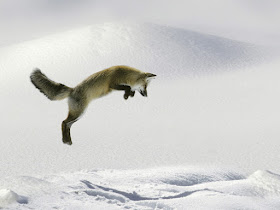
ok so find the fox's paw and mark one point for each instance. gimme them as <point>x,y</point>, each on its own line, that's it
<point>125,96</point>
<point>132,93</point>
<point>69,142</point>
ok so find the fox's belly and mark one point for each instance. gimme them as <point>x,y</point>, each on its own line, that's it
<point>97,93</point>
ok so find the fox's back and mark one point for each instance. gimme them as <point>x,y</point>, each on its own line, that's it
<point>98,84</point>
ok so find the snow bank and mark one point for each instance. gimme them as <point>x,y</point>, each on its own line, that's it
<point>267,182</point>
<point>10,197</point>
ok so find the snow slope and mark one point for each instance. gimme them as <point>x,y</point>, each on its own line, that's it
<point>164,50</point>
<point>214,102</point>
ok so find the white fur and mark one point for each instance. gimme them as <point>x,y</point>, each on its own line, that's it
<point>137,87</point>
<point>149,79</point>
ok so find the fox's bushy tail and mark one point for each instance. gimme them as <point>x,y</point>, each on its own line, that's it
<point>51,89</point>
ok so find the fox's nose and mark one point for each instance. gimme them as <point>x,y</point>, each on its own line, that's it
<point>144,93</point>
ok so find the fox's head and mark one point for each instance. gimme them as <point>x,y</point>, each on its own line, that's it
<point>142,83</point>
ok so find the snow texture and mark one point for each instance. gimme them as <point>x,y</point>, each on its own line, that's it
<point>145,189</point>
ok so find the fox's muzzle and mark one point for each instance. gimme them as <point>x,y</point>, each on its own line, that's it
<point>144,93</point>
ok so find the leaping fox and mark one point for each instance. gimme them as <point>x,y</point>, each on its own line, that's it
<point>97,85</point>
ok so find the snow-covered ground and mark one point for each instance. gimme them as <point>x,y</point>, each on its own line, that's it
<point>161,188</point>
<point>213,106</point>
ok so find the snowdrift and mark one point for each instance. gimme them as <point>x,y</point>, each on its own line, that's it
<point>149,189</point>
<point>8,197</point>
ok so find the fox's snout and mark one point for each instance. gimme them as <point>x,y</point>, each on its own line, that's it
<point>144,93</point>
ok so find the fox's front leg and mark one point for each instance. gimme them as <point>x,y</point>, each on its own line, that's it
<point>126,88</point>
<point>128,93</point>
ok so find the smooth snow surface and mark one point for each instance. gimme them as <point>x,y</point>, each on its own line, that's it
<point>215,102</point>
<point>167,51</point>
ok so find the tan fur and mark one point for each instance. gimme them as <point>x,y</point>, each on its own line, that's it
<point>97,85</point>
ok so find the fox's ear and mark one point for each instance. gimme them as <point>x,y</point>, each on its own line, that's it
<point>150,75</point>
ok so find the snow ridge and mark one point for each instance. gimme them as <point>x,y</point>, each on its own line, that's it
<point>167,51</point>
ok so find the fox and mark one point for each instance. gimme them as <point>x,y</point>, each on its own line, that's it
<point>99,84</point>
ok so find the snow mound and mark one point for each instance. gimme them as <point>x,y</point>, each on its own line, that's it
<point>267,182</point>
<point>166,51</point>
<point>9,197</point>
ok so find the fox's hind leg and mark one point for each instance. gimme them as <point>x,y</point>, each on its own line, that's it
<point>66,125</point>
<point>75,112</point>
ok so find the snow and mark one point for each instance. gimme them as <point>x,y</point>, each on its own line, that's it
<point>170,52</point>
<point>148,189</point>
<point>9,197</point>
<point>213,106</point>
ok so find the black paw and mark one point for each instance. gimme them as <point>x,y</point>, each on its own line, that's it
<point>68,142</point>
<point>125,96</point>
<point>132,93</point>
